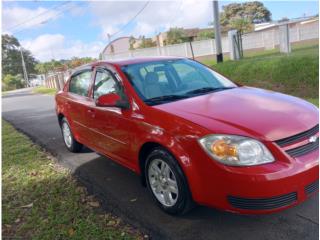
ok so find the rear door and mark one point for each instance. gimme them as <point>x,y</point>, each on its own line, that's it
<point>78,101</point>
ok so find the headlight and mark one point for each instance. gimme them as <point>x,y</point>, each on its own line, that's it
<point>236,150</point>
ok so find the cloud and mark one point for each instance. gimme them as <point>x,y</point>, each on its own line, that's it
<point>55,46</point>
<point>18,18</point>
<point>157,16</point>
<point>110,16</point>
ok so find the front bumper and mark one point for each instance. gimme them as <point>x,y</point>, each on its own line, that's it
<point>259,189</point>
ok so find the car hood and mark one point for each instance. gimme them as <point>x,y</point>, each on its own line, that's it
<point>247,111</point>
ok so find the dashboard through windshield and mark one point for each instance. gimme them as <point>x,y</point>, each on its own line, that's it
<point>170,80</point>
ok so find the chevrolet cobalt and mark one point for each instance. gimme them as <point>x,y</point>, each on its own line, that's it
<point>193,135</point>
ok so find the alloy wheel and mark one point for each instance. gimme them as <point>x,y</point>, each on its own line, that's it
<point>67,134</point>
<point>163,182</point>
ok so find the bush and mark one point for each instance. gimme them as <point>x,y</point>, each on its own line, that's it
<point>10,82</point>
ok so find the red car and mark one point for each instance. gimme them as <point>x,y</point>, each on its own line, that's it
<point>193,135</point>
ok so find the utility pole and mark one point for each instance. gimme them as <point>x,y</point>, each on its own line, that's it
<point>25,73</point>
<point>216,23</point>
<point>111,46</point>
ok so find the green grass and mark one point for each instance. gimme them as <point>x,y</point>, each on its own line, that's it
<point>296,73</point>
<point>41,200</point>
<point>44,90</point>
<point>314,101</point>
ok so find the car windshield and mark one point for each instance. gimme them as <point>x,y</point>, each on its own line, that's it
<point>171,80</point>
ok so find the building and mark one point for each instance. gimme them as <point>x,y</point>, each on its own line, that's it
<point>291,22</point>
<point>118,45</point>
<point>138,41</point>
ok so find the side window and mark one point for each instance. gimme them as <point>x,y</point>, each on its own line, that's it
<point>104,83</point>
<point>80,83</point>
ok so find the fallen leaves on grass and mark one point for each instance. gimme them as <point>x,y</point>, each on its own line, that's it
<point>27,206</point>
<point>42,200</point>
<point>94,204</point>
<point>71,232</point>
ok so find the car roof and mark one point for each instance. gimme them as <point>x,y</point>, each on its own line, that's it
<point>128,61</point>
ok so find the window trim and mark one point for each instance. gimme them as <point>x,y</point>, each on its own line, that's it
<point>103,68</point>
<point>76,73</point>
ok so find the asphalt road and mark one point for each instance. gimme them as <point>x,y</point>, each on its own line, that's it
<point>121,193</point>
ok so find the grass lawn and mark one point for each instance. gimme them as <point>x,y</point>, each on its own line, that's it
<point>41,200</point>
<point>44,90</point>
<point>295,74</point>
<point>315,101</point>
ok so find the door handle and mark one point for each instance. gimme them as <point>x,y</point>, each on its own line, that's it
<point>91,112</point>
<point>68,105</point>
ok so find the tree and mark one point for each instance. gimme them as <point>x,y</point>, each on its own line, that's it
<point>146,43</point>
<point>241,24</point>
<point>132,41</point>
<point>207,34</point>
<point>76,62</point>
<point>11,57</point>
<point>42,68</point>
<point>284,19</point>
<point>249,12</point>
<point>61,65</point>
<point>176,35</point>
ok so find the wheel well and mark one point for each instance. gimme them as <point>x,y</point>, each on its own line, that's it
<point>143,154</point>
<point>60,117</point>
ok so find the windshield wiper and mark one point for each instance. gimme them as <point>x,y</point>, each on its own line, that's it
<point>207,90</point>
<point>166,98</point>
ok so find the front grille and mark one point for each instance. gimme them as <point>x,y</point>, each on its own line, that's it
<point>312,187</point>
<point>299,137</point>
<point>263,203</point>
<point>302,150</point>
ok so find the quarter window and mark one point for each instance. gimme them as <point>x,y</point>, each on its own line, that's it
<point>104,84</point>
<point>80,83</point>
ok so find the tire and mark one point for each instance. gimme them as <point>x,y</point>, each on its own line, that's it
<point>70,142</point>
<point>167,183</point>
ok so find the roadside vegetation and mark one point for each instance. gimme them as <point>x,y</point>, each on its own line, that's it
<point>41,200</point>
<point>295,74</point>
<point>44,90</point>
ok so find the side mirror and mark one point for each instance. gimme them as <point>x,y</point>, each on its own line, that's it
<point>112,100</point>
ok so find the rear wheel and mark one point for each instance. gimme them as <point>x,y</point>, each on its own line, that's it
<point>69,141</point>
<point>167,183</point>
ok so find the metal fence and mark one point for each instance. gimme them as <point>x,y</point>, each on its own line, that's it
<point>263,39</point>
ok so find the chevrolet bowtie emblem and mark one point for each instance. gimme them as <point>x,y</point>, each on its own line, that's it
<point>313,139</point>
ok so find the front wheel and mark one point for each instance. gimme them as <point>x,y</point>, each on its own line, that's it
<point>167,183</point>
<point>70,142</point>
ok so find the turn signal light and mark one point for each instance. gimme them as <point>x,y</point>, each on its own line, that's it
<point>222,149</point>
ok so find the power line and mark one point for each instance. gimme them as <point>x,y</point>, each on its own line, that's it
<point>133,18</point>
<point>50,19</point>
<point>30,19</point>
<point>176,15</point>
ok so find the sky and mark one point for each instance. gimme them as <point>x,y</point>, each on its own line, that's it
<point>63,29</point>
